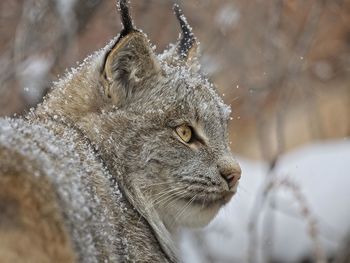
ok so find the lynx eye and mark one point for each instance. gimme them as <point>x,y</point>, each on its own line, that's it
<point>184,132</point>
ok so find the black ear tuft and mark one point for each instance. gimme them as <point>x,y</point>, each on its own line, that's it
<point>188,40</point>
<point>128,25</point>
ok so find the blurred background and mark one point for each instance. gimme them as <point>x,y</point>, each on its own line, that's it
<point>282,65</point>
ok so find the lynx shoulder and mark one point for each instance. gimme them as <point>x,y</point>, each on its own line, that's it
<point>123,152</point>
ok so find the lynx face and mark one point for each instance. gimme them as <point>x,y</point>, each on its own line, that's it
<point>185,154</point>
<point>175,143</point>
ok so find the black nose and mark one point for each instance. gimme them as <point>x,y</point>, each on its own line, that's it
<point>231,171</point>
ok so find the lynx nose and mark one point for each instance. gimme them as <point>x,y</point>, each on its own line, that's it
<point>230,170</point>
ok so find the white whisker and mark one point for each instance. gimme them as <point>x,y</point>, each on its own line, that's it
<point>184,208</point>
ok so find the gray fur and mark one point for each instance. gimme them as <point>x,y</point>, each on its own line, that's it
<point>105,138</point>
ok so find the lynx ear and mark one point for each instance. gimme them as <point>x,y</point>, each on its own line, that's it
<point>187,49</point>
<point>129,62</point>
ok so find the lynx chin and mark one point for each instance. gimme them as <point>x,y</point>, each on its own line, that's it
<point>124,151</point>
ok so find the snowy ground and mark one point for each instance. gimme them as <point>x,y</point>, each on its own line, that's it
<point>323,173</point>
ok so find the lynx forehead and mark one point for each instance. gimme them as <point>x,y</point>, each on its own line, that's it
<point>132,146</point>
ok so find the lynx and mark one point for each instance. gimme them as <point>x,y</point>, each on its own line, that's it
<point>124,151</point>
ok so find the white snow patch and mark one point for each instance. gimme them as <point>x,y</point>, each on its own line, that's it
<point>33,75</point>
<point>227,17</point>
<point>65,7</point>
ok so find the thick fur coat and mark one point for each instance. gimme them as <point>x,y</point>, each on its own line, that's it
<point>123,152</point>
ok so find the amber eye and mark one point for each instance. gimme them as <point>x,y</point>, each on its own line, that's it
<point>184,132</point>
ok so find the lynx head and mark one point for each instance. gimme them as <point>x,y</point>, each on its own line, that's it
<point>176,145</point>
<point>163,125</point>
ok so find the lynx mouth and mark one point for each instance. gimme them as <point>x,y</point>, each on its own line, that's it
<point>223,200</point>
<point>207,202</point>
